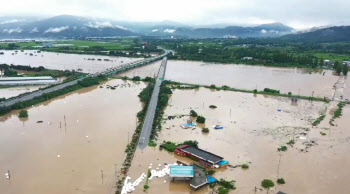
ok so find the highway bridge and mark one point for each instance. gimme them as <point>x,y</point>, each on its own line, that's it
<point>107,72</point>
<point>151,110</point>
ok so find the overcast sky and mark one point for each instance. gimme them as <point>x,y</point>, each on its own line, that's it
<point>299,14</point>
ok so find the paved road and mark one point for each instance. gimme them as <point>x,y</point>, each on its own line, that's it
<point>37,93</point>
<point>148,122</point>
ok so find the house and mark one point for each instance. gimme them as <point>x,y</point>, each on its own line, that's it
<point>347,63</point>
<point>196,176</point>
<point>204,158</point>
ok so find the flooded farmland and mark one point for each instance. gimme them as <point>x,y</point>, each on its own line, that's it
<point>15,91</point>
<point>254,127</point>
<point>62,61</point>
<point>295,80</point>
<point>72,144</point>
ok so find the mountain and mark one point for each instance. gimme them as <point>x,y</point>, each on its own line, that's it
<point>328,34</point>
<point>67,26</point>
<point>265,30</point>
<point>63,26</point>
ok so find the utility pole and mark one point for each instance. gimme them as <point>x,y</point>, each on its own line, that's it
<point>279,162</point>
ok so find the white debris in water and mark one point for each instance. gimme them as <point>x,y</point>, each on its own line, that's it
<point>86,136</point>
<point>58,156</point>
<point>7,175</point>
<point>129,187</point>
<point>161,173</point>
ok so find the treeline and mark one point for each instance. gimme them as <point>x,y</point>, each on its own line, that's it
<point>264,56</point>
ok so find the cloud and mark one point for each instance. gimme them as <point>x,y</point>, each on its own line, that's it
<point>57,30</point>
<point>297,13</point>
<point>15,30</point>
<point>10,21</point>
<point>99,25</point>
<point>155,30</point>
<point>34,30</point>
<point>263,31</point>
<point>169,31</point>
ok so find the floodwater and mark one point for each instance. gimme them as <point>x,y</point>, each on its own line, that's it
<point>15,91</point>
<point>78,147</point>
<point>253,130</point>
<point>62,61</point>
<point>295,80</point>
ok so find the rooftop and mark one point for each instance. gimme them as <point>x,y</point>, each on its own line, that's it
<point>202,154</point>
<point>181,171</point>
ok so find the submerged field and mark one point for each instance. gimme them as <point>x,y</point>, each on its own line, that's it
<point>254,128</point>
<point>71,144</point>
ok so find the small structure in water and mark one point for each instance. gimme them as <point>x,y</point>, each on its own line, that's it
<point>196,176</point>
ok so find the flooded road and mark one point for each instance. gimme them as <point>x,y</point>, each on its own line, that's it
<point>295,80</point>
<point>72,144</point>
<point>15,91</point>
<point>254,127</point>
<point>62,61</point>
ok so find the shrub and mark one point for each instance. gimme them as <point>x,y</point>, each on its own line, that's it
<point>152,144</point>
<point>289,93</point>
<point>281,181</point>
<point>223,190</point>
<point>267,183</point>
<point>212,106</point>
<point>136,78</point>
<point>245,166</point>
<point>291,142</point>
<point>205,130</point>
<point>23,114</point>
<point>227,184</point>
<point>272,91</point>
<point>282,149</point>
<point>193,113</point>
<point>255,91</point>
<point>200,119</point>
<point>212,86</point>
<point>145,187</point>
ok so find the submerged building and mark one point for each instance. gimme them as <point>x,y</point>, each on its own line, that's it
<point>204,158</point>
<point>40,80</point>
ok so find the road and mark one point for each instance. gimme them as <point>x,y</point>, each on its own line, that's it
<point>151,110</point>
<point>110,71</point>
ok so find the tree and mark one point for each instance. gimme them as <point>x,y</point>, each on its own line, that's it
<point>338,69</point>
<point>345,70</point>
<point>267,184</point>
<point>193,113</point>
<point>281,181</point>
<point>200,119</point>
<point>23,114</point>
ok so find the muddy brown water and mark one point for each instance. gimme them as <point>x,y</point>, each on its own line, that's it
<point>252,133</point>
<point>62,61</point>
<point>295,80</point>
<point>46,158</point>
